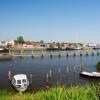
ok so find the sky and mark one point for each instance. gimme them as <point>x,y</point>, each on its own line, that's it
<point>50,20</point>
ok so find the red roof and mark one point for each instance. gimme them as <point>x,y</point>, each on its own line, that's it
<point>28,43</point>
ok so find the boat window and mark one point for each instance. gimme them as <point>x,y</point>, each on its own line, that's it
<point>18,81</point>
<point>23,81</point>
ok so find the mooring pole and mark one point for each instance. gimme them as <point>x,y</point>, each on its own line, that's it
<point>9,51</point>
<point>81,66</point>
<point>59,70</point>
<point>50,73</point>
<point>47,80</point>
<point>30,78</point>
<point>42,56</point>
<point>47,77</point>
<point>32,54</point>
<point>67,54</point>
<point>59,55</point>
<point>67,69</point>
<point>74,68</point>
<point>74,54</point>
<point>9,75</point>
<point>51,54</point>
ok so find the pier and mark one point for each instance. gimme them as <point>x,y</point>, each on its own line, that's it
<point>59,54</point>
<point>42,54</point>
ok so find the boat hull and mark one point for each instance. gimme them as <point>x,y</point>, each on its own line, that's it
<point>4,51</point>
<point>21,89</point>
<point>89,76</point>
<point>20,82</point>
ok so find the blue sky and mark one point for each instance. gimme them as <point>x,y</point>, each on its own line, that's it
<point>50,20</point>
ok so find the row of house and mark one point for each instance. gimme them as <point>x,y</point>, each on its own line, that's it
<point>41,44</point>
<point>7,43</point>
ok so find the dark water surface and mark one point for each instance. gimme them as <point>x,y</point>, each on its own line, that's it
<point>39,67</point>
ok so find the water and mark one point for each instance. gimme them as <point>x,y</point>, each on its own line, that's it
<point>39,67</point>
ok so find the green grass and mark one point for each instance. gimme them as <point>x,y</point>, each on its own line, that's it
<point>57,93</point>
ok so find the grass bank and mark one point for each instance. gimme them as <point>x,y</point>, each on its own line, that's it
<point>58,93</point>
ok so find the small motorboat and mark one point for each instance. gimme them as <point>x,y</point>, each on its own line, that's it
<point>20,82</point>
<point>90,74</point>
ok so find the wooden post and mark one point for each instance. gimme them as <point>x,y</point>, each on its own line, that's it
<point>9,75</point>
<point>42,56</point>
<point>12,52</point>
<point>47,77</point>
<point>74,68</point>
<point>47,80</point>
<point>92,54</point>
<point>51,54</point>
<point>50,73</point>
<point>74,54</point>
<point>81,66</point>
<point>59,77</point>
<point>80,53</point>
<point>21,52</point>
<point>67,69</point>
<point>86,54</point>
<point>30,78</point>
<point>32,54</point>
<point>59,70</point>
<point>67,54</point>
<point>59,55</point>
<point>97,53</point>
<point>9,51</point>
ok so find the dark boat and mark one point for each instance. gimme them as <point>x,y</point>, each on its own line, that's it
<point>55,49</point>
<point>69,49</point>
<point>4,49</point>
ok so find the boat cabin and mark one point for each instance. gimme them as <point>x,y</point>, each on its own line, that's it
<point>20,80</point>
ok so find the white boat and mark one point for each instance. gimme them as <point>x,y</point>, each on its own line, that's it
<point>20,82</point>
<point>1,48</point>
<point>77,48</point>
<point>90,74</point>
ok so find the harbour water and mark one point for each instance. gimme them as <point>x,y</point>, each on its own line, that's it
<point>56,70</point>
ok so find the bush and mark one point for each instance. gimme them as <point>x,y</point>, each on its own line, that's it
<point>98,65</point>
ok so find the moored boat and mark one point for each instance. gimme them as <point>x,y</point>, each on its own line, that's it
<point>90,74</point>
<point>4,49</point>
<point>20,82</point>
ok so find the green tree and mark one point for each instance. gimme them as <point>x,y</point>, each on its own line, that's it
<point>20,40</point>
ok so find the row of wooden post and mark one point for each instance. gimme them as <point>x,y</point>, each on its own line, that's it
<point>48,75</point>
<point>51,54</point>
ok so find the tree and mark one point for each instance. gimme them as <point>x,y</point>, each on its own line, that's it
<point>20,40</point>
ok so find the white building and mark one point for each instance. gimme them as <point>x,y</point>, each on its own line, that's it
<point>5,43</point>
<point>89,45</point>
